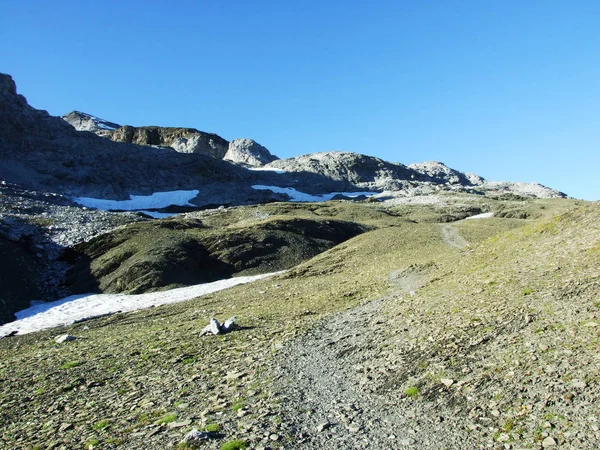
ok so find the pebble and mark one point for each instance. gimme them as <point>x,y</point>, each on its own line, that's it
<point>548,442</point>
<point>183,423</point>
<point>323,426</point>
<point>447,382</point>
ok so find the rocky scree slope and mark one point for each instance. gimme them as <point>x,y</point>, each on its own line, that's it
<point>36,228</point>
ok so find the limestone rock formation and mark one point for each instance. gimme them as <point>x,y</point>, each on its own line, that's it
<point>86,122</point>
<point>354,170</point>
<point>249,152</point>
<point>445,174</point>
<point>183,140</point>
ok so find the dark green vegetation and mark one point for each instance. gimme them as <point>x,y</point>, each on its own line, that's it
<point>516,360</point>
<point>179,252</point>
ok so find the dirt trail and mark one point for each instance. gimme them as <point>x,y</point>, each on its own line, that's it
<point>331,382</point>
<point>332,379</point>
<point>451,237</point>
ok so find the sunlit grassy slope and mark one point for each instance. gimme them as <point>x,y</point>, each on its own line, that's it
<point>522,288</point>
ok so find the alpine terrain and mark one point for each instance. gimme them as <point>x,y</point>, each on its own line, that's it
<point>371,304</point>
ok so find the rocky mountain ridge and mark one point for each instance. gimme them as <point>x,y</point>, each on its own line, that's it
<point>182,140</point>
<point>43,152</point>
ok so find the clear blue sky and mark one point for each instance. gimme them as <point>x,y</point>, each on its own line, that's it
<point>506,89</point>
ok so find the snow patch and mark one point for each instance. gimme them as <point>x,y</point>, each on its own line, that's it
<point>42,315</point>
<point>140,202</point>
<point>268,169</point>
<point>156,214</point>
<point>297,196</point>
<point>104,126</point>
<point>481,216</point>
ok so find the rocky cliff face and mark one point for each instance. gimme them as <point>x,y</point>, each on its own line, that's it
<point>39,151</point>
<point>183,140</point>
<point>249,152</point>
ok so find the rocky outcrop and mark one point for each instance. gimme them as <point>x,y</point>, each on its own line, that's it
<point>183,140</point>
<point>249,152</point>
<point>354,170</point>
<point>86,122</point>
<point>444,174</point>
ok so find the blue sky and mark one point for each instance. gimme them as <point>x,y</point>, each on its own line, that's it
<point>509,90</point>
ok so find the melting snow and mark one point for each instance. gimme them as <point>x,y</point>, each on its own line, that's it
<point>157,215</point>
<point>42,315</point>
<point>268,169</point>
<point>137,202</point>
<point>297,196</point>
<point>481,216</point>
<point>104,126</point>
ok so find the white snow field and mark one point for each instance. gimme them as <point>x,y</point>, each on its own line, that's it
<point>267,169</point>
<point>140,202</point>
<point>297,196</point>
<point>481,216</point>
<point>42,315</point>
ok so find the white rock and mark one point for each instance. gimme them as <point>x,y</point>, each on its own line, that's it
<point>195,436</point>
<point>64,338</point>
<point>447,382</point>
<point>228,325</point>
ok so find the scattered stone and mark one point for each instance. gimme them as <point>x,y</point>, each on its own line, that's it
<point>323,426</point>
<point>234,375</point>
<point>183,423</point>
<point>274,437</point>
<point>64,338</point>
<point>195,437</point>
<point>548,442</point>
<point>214,327</point>
<point>65,427</point>
<point>447,382</point>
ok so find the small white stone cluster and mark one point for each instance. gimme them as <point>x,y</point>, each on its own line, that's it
<point>215,327</point>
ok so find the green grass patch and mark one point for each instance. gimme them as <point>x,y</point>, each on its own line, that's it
<point>70,364</point>
<point>101,425</point>
<point>412,392</point>
<point>212,428</point>
<point>236,444</point>
<point>168,418</point>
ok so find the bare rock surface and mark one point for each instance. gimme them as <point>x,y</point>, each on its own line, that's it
<point>86,122</point>
<point>250,152</point>
<point>183,140</point>
<point>42,152</point>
